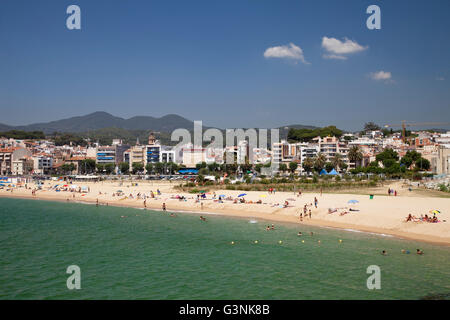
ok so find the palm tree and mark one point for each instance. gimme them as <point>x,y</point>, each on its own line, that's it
<point>337,161</point>
<point>319,161</point>
<point>355,155</point>
<point>308,164</point>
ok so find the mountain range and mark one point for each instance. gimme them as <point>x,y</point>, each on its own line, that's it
<point>101,120</point>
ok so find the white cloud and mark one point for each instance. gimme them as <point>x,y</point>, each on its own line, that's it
<point>440,78</point>
<point>381,75</point>
<point>337,49</point>
<point>334,56</point>
<point>290,51</point>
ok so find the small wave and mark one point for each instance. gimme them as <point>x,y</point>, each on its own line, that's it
<point>253,221</point>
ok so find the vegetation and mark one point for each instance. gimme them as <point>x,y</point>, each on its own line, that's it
<point>305,135</point>
<point>21,135</point>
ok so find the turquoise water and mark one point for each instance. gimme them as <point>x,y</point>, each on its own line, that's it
<point>150,255</point>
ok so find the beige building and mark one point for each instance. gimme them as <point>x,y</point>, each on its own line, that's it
<point>22,166</point>
<point>193,155</point>
<point>443,161</point>
<point>11,158</point>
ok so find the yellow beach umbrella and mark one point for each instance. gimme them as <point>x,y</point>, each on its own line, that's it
<point>263,195</point>
<point>435,211</point>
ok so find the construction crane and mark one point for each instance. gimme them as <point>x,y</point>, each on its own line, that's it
<point>405,124</point>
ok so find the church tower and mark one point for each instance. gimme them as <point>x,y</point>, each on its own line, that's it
<point>151,139</point>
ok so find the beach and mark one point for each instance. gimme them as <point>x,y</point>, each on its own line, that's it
<point>382,215</point>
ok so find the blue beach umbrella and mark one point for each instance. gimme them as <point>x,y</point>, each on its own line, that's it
<point>352,201</point>
<point>222,195</point>
<point>242,194</point>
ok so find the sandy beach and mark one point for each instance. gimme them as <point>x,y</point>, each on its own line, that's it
<point>383,214</point>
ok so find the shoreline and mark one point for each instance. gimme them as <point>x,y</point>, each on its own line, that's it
<point>272,217</point>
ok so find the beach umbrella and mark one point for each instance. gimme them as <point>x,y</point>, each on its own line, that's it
<point>222,196</point>
<point>242,194</point>
<point>435,211</point>
<point>263,195</point>
<point>119,191</point>
<point>202,191</point>
<point>290,199</point>
<point>352,201</point>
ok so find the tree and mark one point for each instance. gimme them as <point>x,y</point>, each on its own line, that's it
<point>387,154</point>
<point>124,167</point>
<point>305,135</point>
<point>355,155</point>
<point>283,167</point>
<point>200,165</point>
<point>149,167</point>
<point>337,161</point>
<point>87,166</point>
<point>371,126</point>
<point>68,167</point>
<point>329,166</point>
<point>319,162</point>
<point>200,178</point>
<point>423,164</point>
<point>173,167</point>
<point>293,166</point>
<point>159,167</point>
<point>308,164</point>
<point>138,167</point>
<point>105,168</point>
<point>213,166</point>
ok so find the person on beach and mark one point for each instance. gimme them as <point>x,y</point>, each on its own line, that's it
<point>96,203</point>
<point>201,205</point>
<point>315,202</point>
<point>164,206</point>
<point>301,216</point>
<point>310,213</point>
<point>145,203</point>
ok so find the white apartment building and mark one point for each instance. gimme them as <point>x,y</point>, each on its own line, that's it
<point>42,164</point>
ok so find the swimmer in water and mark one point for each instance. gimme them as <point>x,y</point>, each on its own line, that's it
<point>273,227</point>
<point>268,228</point>
<point>419,251</point>
<point>202,218</point>
<point>383,252</point>
<point>299,234</point>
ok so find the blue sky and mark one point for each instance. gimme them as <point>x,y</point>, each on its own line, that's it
<point>205,60</point>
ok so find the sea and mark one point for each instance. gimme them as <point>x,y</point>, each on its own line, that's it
<point>126,253</point>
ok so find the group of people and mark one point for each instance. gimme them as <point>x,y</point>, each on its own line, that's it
<point>392,191</point>
<point>422,218</point>
<point>418,251</point>
<point>305,212</point>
